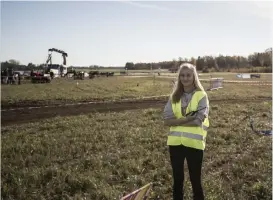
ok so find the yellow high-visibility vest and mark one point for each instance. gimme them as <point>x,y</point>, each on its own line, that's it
<point>194,137</point>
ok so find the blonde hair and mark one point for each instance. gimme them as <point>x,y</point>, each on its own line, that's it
<point>179,89</point>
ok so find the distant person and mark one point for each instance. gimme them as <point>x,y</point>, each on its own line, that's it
<point>5,76</point>
<point>51,75</point>
<point>10,76</point>
<point>188,130</point>
<point>19,79</point>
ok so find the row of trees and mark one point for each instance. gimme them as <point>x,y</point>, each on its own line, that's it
<point>17,66</point>
<point>219,63</point>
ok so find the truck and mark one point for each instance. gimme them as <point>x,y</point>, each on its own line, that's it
<point>51,70</point>
<point>56,70</point>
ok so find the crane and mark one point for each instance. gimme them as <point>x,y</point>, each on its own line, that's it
<point>64,54</point>
<point>269,50</point>
<point>55,69</point>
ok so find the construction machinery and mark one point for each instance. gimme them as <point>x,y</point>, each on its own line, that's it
<point>79,75</point>
<point>55,69</point>
<point>51,70</point>
<point>93,74</point>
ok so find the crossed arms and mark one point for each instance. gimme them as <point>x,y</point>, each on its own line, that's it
<point>195,120</point>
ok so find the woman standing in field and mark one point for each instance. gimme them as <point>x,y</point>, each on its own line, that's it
<point>186,113</point>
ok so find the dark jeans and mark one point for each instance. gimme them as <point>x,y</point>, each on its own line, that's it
<point>194,159</point>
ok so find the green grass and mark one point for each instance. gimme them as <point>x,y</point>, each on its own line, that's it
<point>101,156</point>
<point>112,88</point>
<point>67,90</point>
<point>100,69</point>
<point>163,71</point>
<point>227,76</point>
<point>232,76</point>
<point>117,70</point>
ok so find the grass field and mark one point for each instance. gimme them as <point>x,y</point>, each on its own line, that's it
<point>101,156</point>
<point>118,69</point>
<point>117,87</point>
<point>65,90</point>
<point>232,76</point>
<point>104,155</point>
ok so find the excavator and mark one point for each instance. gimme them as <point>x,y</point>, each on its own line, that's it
<point>51,70</point>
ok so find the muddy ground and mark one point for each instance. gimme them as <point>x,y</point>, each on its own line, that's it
<point>23,114</point>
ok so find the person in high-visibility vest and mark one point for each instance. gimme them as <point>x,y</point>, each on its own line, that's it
<point>186,113</point>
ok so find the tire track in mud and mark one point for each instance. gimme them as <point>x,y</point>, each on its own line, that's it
<point>21,107</point>
<point>34,114</point>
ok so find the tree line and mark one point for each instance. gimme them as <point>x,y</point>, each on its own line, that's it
<point>203,63</point>
<point>15,65</point>
<point>218,63</point>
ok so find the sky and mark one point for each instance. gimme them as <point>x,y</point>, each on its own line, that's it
<point>111,33</point>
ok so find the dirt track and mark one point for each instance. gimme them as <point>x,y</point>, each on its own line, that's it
<point>36,114</point>
<point>27,114</point>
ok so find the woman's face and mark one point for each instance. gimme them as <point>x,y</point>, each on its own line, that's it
<point>186,77</point>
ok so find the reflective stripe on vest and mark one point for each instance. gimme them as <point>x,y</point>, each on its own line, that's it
<point>191,136</point>
<point>187,135</point>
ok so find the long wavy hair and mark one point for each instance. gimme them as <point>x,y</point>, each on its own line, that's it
<point>179,89</point>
